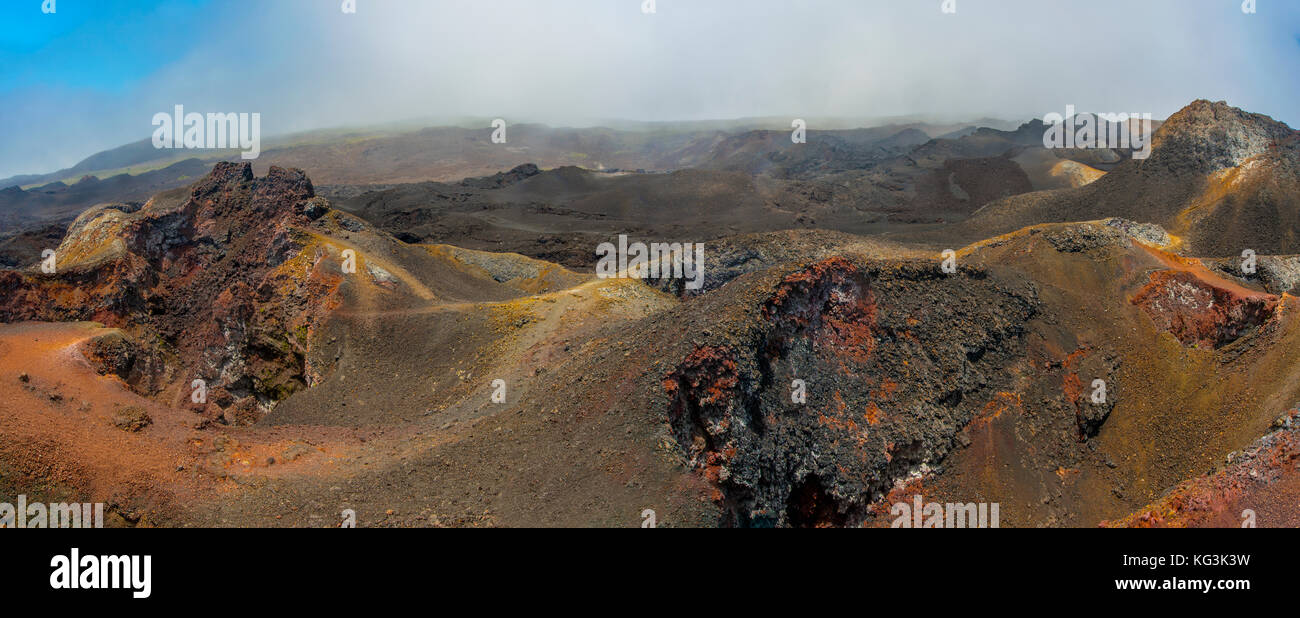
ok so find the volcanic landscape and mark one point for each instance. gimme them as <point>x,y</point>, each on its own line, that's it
<point>409,325</point>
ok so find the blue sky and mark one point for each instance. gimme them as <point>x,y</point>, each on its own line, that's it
<point>107,45</point>
<point>91,75</point>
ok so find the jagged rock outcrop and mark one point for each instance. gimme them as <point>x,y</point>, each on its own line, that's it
<point>197,277</point>
<point>818,453</point>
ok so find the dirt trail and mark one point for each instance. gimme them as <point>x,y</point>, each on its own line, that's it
<point>1195,267</point>
<point>57,416</point>
<point>58,438</point>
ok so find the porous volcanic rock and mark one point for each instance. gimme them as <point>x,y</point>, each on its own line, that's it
<point>196,277</point>
<point>1200,313</point>
<point>852,331</point>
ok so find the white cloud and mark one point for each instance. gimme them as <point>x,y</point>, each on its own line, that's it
<point>303,64</point>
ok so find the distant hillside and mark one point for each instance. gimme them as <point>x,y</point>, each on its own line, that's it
<point>1220,179</point>
<point>59,201</point>
<point>404,155</point>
